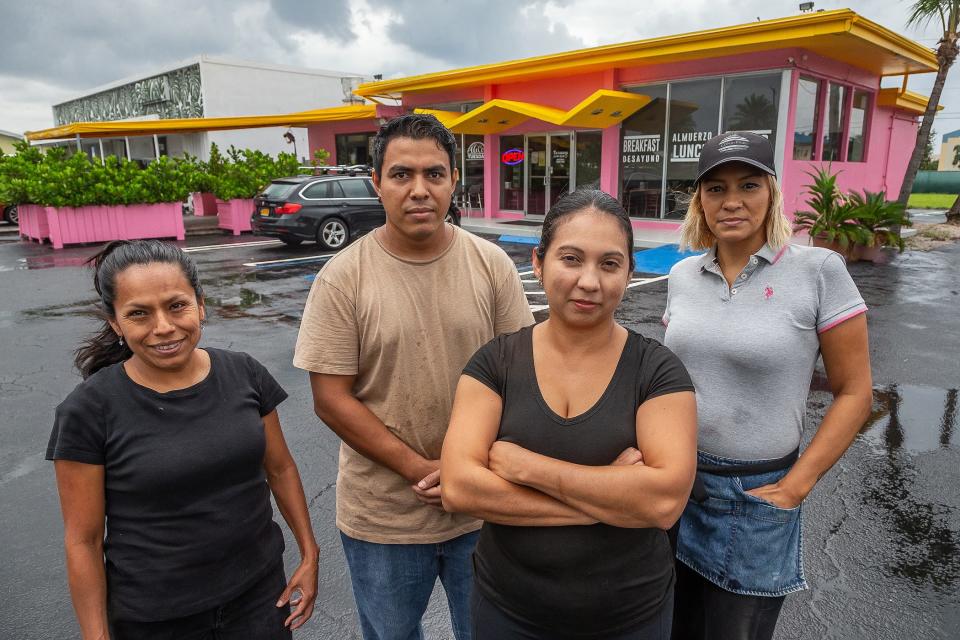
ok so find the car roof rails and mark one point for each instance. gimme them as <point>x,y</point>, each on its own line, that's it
<point>339,170</point>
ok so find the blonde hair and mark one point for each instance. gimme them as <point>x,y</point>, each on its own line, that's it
<point>696,235</point>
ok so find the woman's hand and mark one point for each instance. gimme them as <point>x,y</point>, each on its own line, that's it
<point>627,457</point>
<point>506,460</point>
<point>779,495</point>
<point>304,580</point>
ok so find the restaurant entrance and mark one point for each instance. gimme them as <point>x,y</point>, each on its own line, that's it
<point>548,174</point>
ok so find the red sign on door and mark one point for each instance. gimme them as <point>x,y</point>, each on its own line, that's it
<point>512,156</point>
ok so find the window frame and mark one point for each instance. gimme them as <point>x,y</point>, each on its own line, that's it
<point>823,90</point>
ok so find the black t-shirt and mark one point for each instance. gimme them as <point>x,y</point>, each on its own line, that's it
<point>575,579</point>
<point>189,523</point>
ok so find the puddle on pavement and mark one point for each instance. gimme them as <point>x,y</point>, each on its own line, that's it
<point>914,418</point>
<point>913,430</point>
<point>87,308</point>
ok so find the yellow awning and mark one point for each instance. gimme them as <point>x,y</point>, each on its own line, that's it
<point>119,128</point>
<point>839,35</point>
<point>906,100</point>
<point>446,118</point>
<point>603,108</point>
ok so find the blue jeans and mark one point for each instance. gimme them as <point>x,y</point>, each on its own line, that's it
<point>392,584</point>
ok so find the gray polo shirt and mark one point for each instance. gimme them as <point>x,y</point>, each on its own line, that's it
<point>751,348</point>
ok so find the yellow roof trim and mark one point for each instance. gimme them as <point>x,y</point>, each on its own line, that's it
<point>604,108</point>
<point>120,128</point>
<point>446,118</point>
<point>599,110</point>
<point>840,34</point>
<point>906,100</point>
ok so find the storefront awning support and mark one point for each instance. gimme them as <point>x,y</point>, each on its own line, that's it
<point>126,143</point>
<point>79,148</point>
<point>903,87</point>
<point>102,159</point>
<point>156,147</point>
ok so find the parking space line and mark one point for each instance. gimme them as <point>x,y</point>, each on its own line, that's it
<point>644,281</point>
<point>325,256</point>
<point>235,245</point>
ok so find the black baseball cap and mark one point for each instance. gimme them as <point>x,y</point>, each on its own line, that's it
<point>736,146</point>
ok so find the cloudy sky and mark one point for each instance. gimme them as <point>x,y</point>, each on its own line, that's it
<point>53,50</point>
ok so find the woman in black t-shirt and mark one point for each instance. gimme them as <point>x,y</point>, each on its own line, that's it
<point>174,450</point>
<point>575,441</point>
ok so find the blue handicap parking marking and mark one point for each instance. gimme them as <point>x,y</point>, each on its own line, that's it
<point>661,259</point>
<point>520,239</point>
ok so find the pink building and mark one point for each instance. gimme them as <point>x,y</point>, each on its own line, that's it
<point>631,118</point>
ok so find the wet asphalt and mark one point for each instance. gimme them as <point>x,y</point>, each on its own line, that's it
<point>881,530</point>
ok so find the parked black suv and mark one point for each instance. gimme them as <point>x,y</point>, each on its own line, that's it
<point>333,209</point>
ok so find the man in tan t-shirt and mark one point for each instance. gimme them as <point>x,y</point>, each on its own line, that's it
<point>389,325</point>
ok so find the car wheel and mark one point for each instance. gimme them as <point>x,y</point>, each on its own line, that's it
<point>291,242</point>
<point>333,234</point>
<point>10,214</point>
<point>453,216</point>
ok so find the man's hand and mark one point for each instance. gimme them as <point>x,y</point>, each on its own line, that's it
<point>427,489</point>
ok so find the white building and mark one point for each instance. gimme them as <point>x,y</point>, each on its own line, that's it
<point>208,87</point>
<point>951,141</point>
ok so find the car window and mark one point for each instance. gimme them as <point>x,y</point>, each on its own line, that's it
<point>278,190</point>
<point>354,188</point>
<point>369,184</point>
<point>322,189</point>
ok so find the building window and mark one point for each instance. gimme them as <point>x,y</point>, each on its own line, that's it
<point>641,155</point>
<point>694,117</point>
<point>858,125</point>
<point>751,103</point>
<point>807,116</point>
<point>589,144</point>
<point>512,176</point>
<point>354,148</point>
<point>833,127</point>
<point>661,142</point>
<point>471,173</point>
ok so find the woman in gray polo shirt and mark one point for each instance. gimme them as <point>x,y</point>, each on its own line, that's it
<point>749,319</point>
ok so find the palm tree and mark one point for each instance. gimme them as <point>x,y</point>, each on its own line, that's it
<point>953,215</point>
<point>923,12</point>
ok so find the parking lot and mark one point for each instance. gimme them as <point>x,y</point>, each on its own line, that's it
<point>882,530</point>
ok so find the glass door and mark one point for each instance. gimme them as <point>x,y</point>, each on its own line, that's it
<point>548,170</point>
<point>559,171</point>
<point>537,175</point>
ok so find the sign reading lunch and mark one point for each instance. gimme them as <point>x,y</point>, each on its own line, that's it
<point>685,146</point>
<point>641,149</point>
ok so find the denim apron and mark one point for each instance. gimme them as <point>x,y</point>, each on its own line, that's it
<point>735,540</point>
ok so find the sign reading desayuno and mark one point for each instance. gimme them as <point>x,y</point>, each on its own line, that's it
<point>475,151</point>
<point>685,146</point>
<point>641,149</point>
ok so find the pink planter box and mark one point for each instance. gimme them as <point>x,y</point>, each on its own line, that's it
<point>33,222</point>
<point>76,225</point>
<point>235,215</point>
<point>204,204</point>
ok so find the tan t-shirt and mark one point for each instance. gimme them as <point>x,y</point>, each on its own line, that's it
<point>406,329</point>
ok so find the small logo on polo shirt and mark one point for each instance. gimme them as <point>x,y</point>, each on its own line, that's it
<point>767,292</point>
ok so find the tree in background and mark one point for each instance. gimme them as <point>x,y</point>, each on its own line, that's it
<point>929,163</point>
<point>923,12</point>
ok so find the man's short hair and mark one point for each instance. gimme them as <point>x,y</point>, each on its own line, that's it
<point>419,126</point>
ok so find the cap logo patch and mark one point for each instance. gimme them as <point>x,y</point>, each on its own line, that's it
<point>733,143</point>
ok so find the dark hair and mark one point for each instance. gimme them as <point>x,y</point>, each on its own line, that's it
<point>419,126</point>
<point>579,200</point>
<point>103,348</point>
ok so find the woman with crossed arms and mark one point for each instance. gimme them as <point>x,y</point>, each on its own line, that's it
<point>574,440</point>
